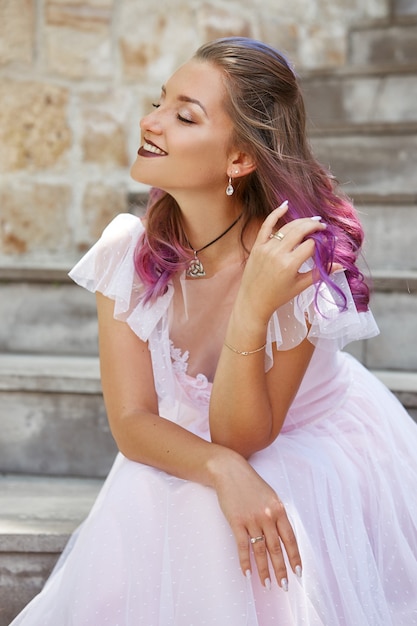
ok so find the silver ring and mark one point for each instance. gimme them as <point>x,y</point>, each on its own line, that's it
<point>256,539</point>
<point>278,235</point>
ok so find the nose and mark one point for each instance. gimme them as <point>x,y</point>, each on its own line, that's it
<point>151,122</point>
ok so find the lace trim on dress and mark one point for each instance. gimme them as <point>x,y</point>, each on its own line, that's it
<point>198,388</point>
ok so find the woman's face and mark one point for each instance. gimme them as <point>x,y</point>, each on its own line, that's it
<point>185,140</point>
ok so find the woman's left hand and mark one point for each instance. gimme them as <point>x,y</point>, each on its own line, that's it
<point>254,510</point>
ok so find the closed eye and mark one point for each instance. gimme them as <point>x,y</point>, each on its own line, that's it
<point>180,117</point>
<point>184,119</point>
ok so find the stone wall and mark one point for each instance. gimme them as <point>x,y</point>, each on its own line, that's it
<point>75,76</point>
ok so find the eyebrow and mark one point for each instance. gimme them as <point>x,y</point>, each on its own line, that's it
<point>183,98</point>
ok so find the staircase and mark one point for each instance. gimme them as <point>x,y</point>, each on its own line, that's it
<point>56,448</point>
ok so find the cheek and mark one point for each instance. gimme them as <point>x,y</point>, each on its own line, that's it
<point>208,156</point>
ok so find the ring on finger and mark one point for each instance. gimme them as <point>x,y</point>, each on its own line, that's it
<point>256,539</point>
<point>278,235</point>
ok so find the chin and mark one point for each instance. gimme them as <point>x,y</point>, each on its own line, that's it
<point>136,172</point>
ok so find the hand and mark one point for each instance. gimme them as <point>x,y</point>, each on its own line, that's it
<point>253,509</point>
<point>271,277</point>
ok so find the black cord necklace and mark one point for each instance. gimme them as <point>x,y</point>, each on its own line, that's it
<point>195,267</point>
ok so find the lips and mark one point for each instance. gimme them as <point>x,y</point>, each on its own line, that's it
<point>148,149</point>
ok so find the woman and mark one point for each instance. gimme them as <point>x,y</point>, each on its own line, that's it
<point>264,477</point>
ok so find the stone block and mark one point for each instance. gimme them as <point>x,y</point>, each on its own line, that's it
<point>366,163</point>
<point>101,203</point>
<point>104,127</point>
<point>58,434</point>
<point>320,46</point>
<point>339,101</point>
<point>389,235</point>
<point>396,347</point>
<point>77,40</point>
<point>34,131</point>
<point>282,34</point>
<point>34,217</point>
<point>153,43</point>
<point>18,23</point>
<point>222,20</point>
<point>51,319</point>
<point>36,517</point>
<point>392,45</point>
<point>22,576</point>
<point>405,7</point>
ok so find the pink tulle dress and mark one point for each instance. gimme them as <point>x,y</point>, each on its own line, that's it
<point>156,550</point>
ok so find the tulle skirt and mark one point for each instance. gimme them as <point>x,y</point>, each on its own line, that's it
<point>157,551</point>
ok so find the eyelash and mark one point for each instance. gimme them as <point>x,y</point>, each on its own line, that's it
<point>179,117</point>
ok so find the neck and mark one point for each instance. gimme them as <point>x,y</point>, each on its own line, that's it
<point>212,228</point>
<point>205,218</point>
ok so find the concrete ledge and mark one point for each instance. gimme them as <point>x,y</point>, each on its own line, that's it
<point>399,281</point>
<point>39,513</point>
<point>398,381</point>
<point>403,385</point>
<point>43,373</point>
<point>37,516</point>
<point>372,129</point>
<point>356,71</point>
<point>53,417</point>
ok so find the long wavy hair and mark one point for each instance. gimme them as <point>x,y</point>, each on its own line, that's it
<point>265,104</point>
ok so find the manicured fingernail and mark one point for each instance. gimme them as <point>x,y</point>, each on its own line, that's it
<point>284,584</point>
<point>316,218</point>
<point>285,203</point>
<point>268,583</point>
<point>248,574</point>
<point>298,571</point>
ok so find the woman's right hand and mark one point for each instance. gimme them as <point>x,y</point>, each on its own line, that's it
<point>271,276</point>
<point>253,509</point>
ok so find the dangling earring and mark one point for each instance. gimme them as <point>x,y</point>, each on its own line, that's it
<point>230,189</point>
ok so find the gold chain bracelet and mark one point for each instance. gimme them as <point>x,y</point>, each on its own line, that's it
<point>244,352</point>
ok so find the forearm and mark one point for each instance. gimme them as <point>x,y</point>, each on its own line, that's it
<point>240,408</point>
<point>153,440</point>
<point>248,406</point>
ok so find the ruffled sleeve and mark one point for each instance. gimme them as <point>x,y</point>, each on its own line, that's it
<point>108,267</point>
<point>319,319</point>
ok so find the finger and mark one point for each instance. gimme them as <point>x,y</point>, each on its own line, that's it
<point>242,542</point>
<point>303,252</point>
<point>276,556</point>
<point>299,230</point>
<point>304,280</point>
<point>289,542</point>
<point>336,268</point>
<point>270,221</point>
<point>259,550</point>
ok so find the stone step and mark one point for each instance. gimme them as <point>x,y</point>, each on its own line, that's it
<point>390,227</point>
<point>385,43</point>
<point>396,346</point>
<point>371,163</point>
<point>394,305</point>
<point>54,317</point>
<point>404,8</point>
<point>344,100</point>
<point>60,319</point>
<point>37,515</point>
<point>53,417</point>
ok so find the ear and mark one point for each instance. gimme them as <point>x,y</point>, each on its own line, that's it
<point>240,164</point>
